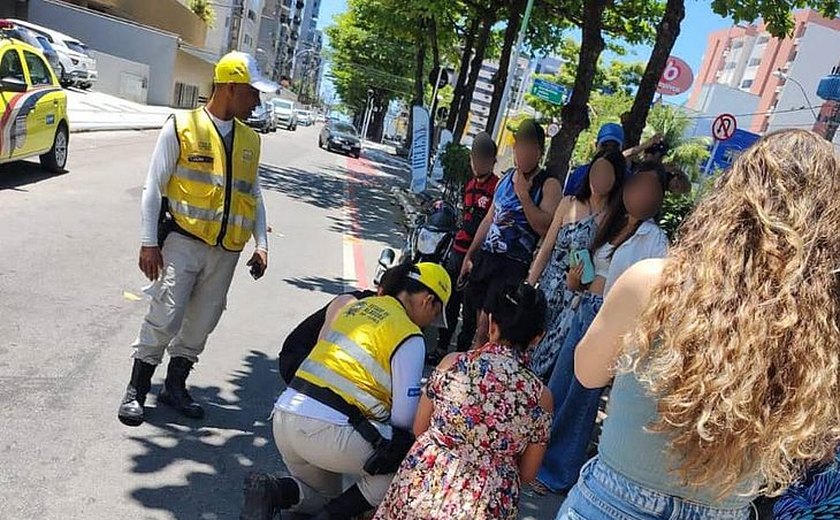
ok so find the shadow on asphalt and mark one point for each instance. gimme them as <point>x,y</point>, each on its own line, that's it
<point>16,175</point>
<point>333,286</point>
<point>375,212</point>
<point>232,440</point>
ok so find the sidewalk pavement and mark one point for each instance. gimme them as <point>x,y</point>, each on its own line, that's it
<point>94,111</point>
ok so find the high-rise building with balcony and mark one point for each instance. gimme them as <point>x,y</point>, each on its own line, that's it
<point>768,82</point>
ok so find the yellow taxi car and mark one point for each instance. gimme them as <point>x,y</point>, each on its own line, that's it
<point>33,107</point>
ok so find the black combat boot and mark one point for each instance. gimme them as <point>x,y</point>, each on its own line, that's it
<point>265,494</point>
<point>131,409</point>
<point>345,506</point>
<point>174,392</point>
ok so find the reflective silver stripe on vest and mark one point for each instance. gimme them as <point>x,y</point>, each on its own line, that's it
<point>379,410</point>
<point>182,208</point>
<point>362,356</point>
<point>199,176</point>
<point>242,222</point>
<point>243,186</point>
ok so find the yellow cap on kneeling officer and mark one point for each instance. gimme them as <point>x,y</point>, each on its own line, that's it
<point>435,277</point>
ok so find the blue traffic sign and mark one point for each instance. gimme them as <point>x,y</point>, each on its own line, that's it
<point>724,153</point>
<point>548,91</point>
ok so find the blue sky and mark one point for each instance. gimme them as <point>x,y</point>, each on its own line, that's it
<point>699,21</point>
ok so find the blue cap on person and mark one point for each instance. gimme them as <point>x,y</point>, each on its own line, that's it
<point>240,67</point>
<point>611,132</point>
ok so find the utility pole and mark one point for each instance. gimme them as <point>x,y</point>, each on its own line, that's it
<point>237,12</point>
<point>514,64</point>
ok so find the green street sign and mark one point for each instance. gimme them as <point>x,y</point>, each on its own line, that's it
<point>547,91</point>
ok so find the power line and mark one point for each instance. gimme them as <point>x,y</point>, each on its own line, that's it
<point>769,112</point>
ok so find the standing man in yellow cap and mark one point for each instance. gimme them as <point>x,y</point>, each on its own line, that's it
<point>349,410</point>
<point>201,205</point>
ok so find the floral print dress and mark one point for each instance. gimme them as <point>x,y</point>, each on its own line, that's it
<point>466,465</point>
<point>560,311</point>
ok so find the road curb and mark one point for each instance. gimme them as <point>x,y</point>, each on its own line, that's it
<point>114,128</point>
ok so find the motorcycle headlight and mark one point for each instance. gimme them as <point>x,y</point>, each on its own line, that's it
<point>427,240</point>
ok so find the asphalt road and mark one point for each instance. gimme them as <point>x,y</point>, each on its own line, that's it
<point>71,304</point>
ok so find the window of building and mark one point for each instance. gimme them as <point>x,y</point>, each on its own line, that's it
<point>737,44</point>
<point>747,83</point>
<point>801,31</point>
<point>729,65</point>
<point>764,38</point>
<point>755,62</point>
<point>247,39</point>
<point>793,56</point>
<point>39,72</point>
<point>10,66</point>
<point>227,22</point>
<point>252,15</point>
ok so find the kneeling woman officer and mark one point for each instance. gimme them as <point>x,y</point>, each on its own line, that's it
<point>350,408</point>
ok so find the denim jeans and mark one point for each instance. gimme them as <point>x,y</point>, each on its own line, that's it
<point>575,407</point>
<point>604,494</point>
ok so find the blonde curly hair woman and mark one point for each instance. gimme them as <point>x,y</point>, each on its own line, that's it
<point>727,351</point>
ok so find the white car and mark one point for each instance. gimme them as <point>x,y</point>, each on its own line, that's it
<point>305,117</point>
<point>76,66</point>
<point>284,113</point>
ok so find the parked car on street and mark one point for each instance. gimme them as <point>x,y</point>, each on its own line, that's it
<point>33,107</point>
<point>284,113</point>
<point>76,66</point>
<point>342,137</point>
<point>260,119</point>
<point>18,32</point>
<point>305,117</point>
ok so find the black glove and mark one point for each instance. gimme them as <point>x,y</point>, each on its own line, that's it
<point>389,454</point>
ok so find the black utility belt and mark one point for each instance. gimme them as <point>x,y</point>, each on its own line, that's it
<point>329,398</point>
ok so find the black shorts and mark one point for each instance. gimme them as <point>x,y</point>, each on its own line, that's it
<point>491,273</point>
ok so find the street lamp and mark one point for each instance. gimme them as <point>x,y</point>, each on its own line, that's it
<point>779,73</point>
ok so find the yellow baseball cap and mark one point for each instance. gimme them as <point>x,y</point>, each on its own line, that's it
<point>240,67</point>
<point>435,277</point>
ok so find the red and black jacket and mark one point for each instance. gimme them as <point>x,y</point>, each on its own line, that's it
<point>478,198</point>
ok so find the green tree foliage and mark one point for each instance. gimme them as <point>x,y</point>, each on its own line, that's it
<point>777,14</point>
<point>687,153</point>
<point>204,10</point>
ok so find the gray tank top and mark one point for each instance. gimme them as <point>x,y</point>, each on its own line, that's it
<point>627,447</point>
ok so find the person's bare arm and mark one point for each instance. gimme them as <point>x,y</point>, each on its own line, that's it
<point>478,239</point>
<point>639,148</point>
<point>426,408</point>
<point>544,254</point>
<point>596,354</point>
<point>539,217</point>
<point>532,457</point>
<point>333,309</point>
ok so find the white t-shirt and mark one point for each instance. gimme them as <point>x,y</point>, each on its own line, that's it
<point>163,164</point>
<point>406,372</point>
<point>649,241</point>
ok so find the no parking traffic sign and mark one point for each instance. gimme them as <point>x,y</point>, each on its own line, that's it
<point>724,127</point>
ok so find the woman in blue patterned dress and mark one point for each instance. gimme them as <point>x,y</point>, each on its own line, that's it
<point>574,227</point>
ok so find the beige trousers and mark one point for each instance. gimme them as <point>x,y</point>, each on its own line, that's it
<point>319,454</point>
<point>187,299</point>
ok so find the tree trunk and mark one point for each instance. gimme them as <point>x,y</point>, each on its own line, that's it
<point>666,35</point>
<point>517,9</point>
<point>377,122</point>
<point>418,78</point>
<point>435,64</point>
<point>574,116</point>
<point>475,67</point>
<point>463,70</point>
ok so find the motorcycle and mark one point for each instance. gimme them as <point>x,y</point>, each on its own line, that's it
<point>429,238</point>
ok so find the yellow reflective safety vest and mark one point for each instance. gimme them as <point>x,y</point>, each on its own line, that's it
<point>211,191</point>
<point>354,359</point>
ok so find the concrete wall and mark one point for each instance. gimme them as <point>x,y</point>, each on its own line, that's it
<point>156,49</point>
<point>167,15</point>
<point>193,71</point>
<point>716,99</point>
<point>122,78</point>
